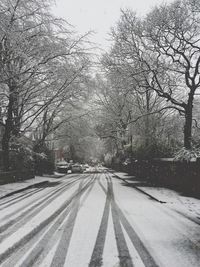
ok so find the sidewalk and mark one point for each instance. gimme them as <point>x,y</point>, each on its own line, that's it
<point>187,206</point>
<point>12,188</point>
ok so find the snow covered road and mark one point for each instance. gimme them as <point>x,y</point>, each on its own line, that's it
<point>94,220</point>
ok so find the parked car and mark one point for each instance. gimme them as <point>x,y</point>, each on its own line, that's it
<point>85,168</point>
<point>62,167</point>
<point>76,168</point>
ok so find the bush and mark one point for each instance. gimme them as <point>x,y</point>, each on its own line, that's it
<point>44,159</point>
<point>152,150</point>
<point>15,176</point>
<point>187,154</point>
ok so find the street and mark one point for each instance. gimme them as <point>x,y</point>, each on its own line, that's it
<point>94,219</point>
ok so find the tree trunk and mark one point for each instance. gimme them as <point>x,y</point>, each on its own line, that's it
<point>188,123</point>
<point>5,147</point>
<point>146,119</point>
<point>188,131</point>
<point>7,134</point>
<point>6,158</point>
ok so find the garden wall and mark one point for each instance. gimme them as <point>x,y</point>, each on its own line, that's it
<point>184,176</point>
<point>15,176</point>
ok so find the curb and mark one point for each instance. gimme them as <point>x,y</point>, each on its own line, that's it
<point>55,175</point>
<point>157,200</point>
<point>24,188</point>
<point>140,190</point>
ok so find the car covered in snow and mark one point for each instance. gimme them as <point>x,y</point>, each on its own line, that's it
<point>76,168</point>
<point>62,167</point>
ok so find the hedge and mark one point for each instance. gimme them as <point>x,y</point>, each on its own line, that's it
<point>184,176</point>
<point>15,176</point>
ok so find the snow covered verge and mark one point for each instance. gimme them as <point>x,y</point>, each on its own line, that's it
<point>12,187</point>
<point>185,205</point>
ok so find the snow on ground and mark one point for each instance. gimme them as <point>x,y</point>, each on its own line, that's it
<point>11,187</point>
<point>43,215</point>
<point>86,228</point>
<point>171,239</point>
<point>155,235</point>
<point>189,206</point>
<point>110,255</point>
<point>175,200</point>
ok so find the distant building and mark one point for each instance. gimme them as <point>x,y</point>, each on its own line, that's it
<point>59,154</point>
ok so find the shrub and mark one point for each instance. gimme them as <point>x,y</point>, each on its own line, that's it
<point>152,150</point>
<point>44,159</point>
<point>187,154</point>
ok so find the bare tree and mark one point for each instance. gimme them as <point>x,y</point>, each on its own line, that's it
<point>165,47</point>
<point>115,108</point>
<point>61,112</point>
<point>173,32</point>
<point>127,102</point>
<point>40,59</point>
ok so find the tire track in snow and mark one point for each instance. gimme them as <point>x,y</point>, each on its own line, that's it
<point>16,199</point>
<point>32,211</point>
<point>96,258</point>
<point>45,197</point>
<point>145,256</point>
<point>24,193</point>
<point>50,232</point>
<point>8,252</point>
<point>123,251</point>
<point>52,235</point>
<point>51,244</point>
<point>63,245</point>
<point>40,243</point>
<point>135,239</point>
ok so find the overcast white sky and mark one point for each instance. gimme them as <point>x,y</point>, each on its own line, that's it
<point>99,15</point>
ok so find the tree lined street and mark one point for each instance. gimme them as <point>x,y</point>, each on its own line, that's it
<point>99,146</point>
